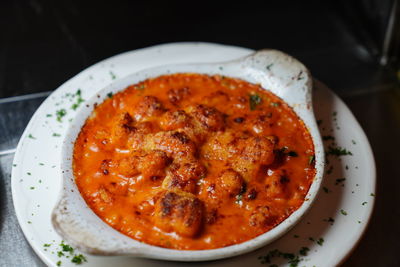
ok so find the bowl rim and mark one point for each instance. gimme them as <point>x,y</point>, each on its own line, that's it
<point>151,251</point>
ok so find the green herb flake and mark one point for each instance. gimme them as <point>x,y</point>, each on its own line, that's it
<point>49,115</point>
<point>46,245</point>
<point>343,212</point>
<point>110,95</point>
<point>66,247</point>
<point>113,77</point>
<point>41,164</point>
<point>329,220</point>
<point>354,142</point>
<point>311,159</point>
<point>32,188</point>
<point>254,101</point>
<point>29,173</point>
<point>268,67</point>
<point>60,114</point>
<point>359,221</point>
<point>14,165</point>
<point>293,154</point>
<point>59,263</point>
<point>338,151</point>
<point>372,194</point>
<point>141,86</point>
<point>364,203</point>
<point>328,137</point>
<point>79,100</point>
<point>56,135</point>
<point>78,259</point>
<point>275,104</point>
<point>29,222</point>
<point>60,254</point>
<point>31,136</point>
<point>320,241</point>
<point>326,190</point>
<point>304,251</point>
<point>239,199</point>
<point>340,181</point>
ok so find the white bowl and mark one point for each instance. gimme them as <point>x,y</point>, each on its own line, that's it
<point>276,71</point>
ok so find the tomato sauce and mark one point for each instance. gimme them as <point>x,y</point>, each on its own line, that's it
<point>190,161</point>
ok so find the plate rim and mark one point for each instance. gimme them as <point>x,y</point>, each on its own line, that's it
<point>34,117</point>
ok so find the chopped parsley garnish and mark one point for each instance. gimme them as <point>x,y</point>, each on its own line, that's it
<point>79,100</point>
<point>338,151</point>
<point>46,245</point>
<point>31,136</point>
<point>110,95</point>
<point>113,77</point>
<point>328,137</point>
<point>372,194</point>
<point>78,259</point>
<point>49,115</point>
<point>60,254</point>
<point>29,222</point>
<point>56,134</point>
<point>141,86</point>
<point>29,173</point>
<point>268,67</point>
<point>354,142</point>
<point>66,248</point>
<point>304,251</point>
<point>364,203</point>
<point>329,171</point>
<point>339,181</point>
<point>254,101</point>
<point>32,188</point>
<point>311,159</point>
<point>275,104</point>
<point>239,198</point>
<point>320,241</point>
<point>343,212</point>
<point>60,114</point>
<point>58,263</point>
<point>329,220</point>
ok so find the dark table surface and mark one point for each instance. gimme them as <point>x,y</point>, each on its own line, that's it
<point>44,43</point>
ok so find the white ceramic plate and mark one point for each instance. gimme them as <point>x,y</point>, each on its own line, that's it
<point>36,175</point>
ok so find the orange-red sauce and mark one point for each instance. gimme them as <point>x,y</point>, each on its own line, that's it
<point>190,161</point>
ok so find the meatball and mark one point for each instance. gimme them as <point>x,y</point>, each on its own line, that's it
<point>276,184</point>
<point>174,143</point>
<point>153,164</point>
<point>184,175</point>
<point>149,106</point>
<point>245,153</point>
<point>179,212</point>
<point>262,217</point>
<point>173,120</point>
<point>231,182</point>
<point>175,96</point>
<point>208,117</point>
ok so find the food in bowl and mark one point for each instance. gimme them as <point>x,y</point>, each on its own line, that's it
<point>192,161</point>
